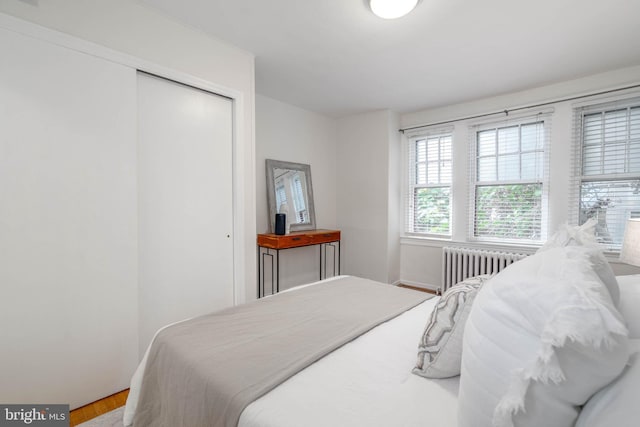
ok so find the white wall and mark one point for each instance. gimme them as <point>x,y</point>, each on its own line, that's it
<point>420,259</point>
<point>285,132</point>
<point>368,153</point>
<point>128,27</point>
<point>355,164</point>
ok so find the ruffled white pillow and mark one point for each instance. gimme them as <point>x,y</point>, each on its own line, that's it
<point>584,235</point>
<point>541,338</point>
<point>566,235</point>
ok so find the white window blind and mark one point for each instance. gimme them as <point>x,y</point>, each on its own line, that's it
<point>298,199</point>
<point>428,201</point>
<point>608,146</point>
<point>281,195</point>
<point>509,181</point>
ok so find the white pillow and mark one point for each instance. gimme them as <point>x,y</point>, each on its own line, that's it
<point>566,235</point>
<point>630,303</point>
<point>584,235</point>
<point>542,337</point>
<point>440,346</point>
<point>616,405</point>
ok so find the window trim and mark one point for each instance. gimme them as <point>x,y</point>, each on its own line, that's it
<point>581,110</point>
<point>411,186</point>
<point>474,129</point>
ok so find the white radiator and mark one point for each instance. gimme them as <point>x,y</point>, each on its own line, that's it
<point>461,263</point>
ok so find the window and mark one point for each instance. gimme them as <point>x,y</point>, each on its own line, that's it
<point>298,199</point>
<point>429,195</point>
<point>609,142</point>
<point>508,196</point>
<point>291,185</point>
<point>281,195</point>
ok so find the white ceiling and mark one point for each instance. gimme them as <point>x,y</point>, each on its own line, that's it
<point>335,57</point>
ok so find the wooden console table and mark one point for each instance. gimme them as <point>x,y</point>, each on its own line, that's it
<point>274,242</point>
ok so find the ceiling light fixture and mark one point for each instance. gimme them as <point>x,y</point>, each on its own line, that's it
<point>392,9</point>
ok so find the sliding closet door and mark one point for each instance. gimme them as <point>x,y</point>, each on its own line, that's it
<point>185,207</point>
<point>68,230</point>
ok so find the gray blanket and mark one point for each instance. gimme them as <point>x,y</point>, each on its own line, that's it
<point>205,371</point>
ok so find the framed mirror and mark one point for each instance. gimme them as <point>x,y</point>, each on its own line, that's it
<point>289,191</point>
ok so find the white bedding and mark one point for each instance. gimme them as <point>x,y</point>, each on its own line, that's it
<point>136,380</point>
<point>368,382</point>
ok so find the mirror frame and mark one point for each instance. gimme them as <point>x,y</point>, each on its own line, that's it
<point>271,165</point>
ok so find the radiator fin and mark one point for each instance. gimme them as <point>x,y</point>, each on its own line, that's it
<point>461,263</point>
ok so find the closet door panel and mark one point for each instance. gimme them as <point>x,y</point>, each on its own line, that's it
<point>185,203</point>
<point>68,224</point>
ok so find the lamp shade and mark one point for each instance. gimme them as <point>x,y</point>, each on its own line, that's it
<point>391,9</point>
<point>630,252</point>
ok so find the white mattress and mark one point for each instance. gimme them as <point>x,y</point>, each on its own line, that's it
<point>367,382</point>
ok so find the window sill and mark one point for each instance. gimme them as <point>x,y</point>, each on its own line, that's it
<point>612,257</point>
<point>491,246</point>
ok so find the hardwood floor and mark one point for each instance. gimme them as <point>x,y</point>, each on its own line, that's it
<point>415,288</point>
<point>97,408</point>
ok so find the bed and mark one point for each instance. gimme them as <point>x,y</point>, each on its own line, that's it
<point>342,392</point>
<point>366,381</point>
